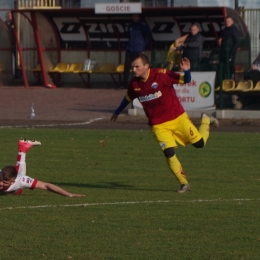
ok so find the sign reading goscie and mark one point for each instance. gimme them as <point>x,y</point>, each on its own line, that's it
<point>120,8</point>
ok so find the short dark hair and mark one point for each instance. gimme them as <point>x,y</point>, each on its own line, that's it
<point>229,17</point>
<point>195,25</point>
<point>8,173</point>
<point>139,15</point>
<point>142,56</point>
<point>9,12</point>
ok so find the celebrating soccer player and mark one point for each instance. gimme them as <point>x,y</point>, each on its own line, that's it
<point>168,120</point>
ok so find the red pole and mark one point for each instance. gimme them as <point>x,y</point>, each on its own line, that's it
<point>39,49</point>
<point>25,81</point>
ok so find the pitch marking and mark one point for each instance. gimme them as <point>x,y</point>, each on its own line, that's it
<point>71,124</point>
<point>89,204</point>
<point>125,203</point>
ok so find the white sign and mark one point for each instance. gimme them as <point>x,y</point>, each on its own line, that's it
<point>198,94</point>
<point>118,8</point>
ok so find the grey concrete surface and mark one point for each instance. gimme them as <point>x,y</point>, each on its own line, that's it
<point>92,108</point>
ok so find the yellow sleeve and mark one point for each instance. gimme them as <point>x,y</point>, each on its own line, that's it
<point>128,98</point>
<point>170,54</point>
<point>181,79</point>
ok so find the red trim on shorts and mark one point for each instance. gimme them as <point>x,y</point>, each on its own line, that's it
<point>34,184</point>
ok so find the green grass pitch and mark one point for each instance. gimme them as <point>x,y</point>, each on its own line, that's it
<point>131,209</point>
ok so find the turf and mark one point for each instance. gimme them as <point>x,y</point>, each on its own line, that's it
<point>131,209</point>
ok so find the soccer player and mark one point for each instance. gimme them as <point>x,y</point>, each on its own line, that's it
<point>169,122</point>
<point>13,179</point>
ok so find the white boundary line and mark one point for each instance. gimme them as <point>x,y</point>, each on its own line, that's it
<point>126,203</point>
<point>69,124</point>
<point>89,204</point>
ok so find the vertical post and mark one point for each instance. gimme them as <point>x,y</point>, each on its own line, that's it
<point>221,87</point>
<point>227,62</point>
<point>39,48</point>
<point>236,5</point>
<point>25,81</point>
<point>154,62</point>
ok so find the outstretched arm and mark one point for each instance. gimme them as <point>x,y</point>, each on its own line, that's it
<point>181,40</point>
<point>123,104</point>
<point>114,117</point>
<point>54,188</point>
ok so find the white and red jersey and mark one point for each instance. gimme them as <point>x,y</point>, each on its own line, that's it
<point>21,182</point>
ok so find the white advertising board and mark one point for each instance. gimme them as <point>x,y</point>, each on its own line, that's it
<point>198,94</point>
<point>118,8</point>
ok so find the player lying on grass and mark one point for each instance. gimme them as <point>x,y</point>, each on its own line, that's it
<point>168,120</point>
<point>13,179</point>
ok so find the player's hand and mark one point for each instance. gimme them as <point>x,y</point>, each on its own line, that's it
<point>114,117</point>
<point>71,195</point>
<point>185,64</point>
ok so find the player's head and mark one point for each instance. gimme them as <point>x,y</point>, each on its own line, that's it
<point>7,177</point>
<point>229,21</point>
<point>136,18</point>
<point>254,66</point>
<point>140,65</point>
<point>8,16</point>
<point>194,29</point>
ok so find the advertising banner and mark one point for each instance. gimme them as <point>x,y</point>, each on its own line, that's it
<point>198,94</point>
<point>75,31</point>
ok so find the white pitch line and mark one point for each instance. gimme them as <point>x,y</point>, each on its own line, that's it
<point>89,204</point>
<point>128,203</point>
<point>68,124</point>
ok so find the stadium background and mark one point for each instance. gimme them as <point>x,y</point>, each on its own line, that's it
<point>248,10</point>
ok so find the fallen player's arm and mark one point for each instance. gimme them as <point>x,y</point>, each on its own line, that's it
<point>54,188</point>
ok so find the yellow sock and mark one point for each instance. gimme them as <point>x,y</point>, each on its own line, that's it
<point>204,129</point>
<point>176,169</point>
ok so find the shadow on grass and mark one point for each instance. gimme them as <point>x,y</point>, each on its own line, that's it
<point>104,185</point>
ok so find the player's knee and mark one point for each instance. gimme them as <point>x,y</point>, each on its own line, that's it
<point>199,144</point>
<point>169,152</point>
